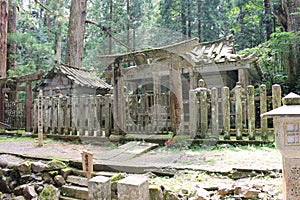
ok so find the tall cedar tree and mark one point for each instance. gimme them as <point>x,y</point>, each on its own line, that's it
<point>3,36</point>
<point>76,29</point>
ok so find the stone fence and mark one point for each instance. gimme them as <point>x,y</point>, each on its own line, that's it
<point>220,114</point>
<point>82,115</point>
<point>236,113</point>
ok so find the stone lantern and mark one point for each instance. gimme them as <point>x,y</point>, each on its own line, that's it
<point>287,140</point>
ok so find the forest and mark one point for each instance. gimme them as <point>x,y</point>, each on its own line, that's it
<point>37,33</point>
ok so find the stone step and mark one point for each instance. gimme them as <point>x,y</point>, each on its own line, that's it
<point>67,198</point>
<point>74,192</point>
<point>77,180</point>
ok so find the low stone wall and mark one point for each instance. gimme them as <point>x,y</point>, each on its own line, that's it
<point>32,180</point>
<point>23,179</point>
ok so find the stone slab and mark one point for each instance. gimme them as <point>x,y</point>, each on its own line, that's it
<point>127,151</point>
<point>74,191</point>
<point>99,188</point>
<point>77,180</point>
<point>133,187</point>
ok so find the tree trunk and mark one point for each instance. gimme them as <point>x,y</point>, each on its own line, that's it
<point>268,18</point>
<point>128,24</point>
<point>12,44</point>
<point>3,36</point>
<point>199,19</point>
<point>286,14</point>
<point>76,29</point>
<point>183,19</point>
<point>110,20</point>
<point>189,32</point>
<point>242,26</point>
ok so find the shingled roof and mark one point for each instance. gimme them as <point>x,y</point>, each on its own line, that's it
<point>217,52</point>
<point>78,76</point>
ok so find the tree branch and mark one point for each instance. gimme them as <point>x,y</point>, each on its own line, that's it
<point>106,30</point>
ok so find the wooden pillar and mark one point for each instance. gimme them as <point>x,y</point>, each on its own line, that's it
<point>28,105</point>
<point>2,98</point>
<point>118,101</point>
<point>156,84</point>
<point>193,80</point>
<point>176,103</point>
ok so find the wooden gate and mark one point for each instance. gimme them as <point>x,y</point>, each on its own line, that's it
<point>14,114</point>
<point>147,113</point>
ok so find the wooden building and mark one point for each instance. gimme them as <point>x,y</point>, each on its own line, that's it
<point>72,81</point>
<point>177,68</point>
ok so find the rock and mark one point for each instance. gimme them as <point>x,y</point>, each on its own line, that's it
<point>66,172</point>
<point>262,196</point>
<point>18,191</point>
<point>184,191</point>
<point>39,188</point>
<point>13,184</point>
<point>37,167</point>
<point>49,192</point>
<point>3,185</point>
<point>53,173</point>
<point>29,192</point>
<point>225,191</point>
<point>47,178</point>
<point>169,195</point>
<point>3,163</point>
<point>202,194</point>
<point>250,193</point>
<point>155,192</point>
<point>59,180</point>
<point>55,165</point>
<point>6,171</point>
<point>118,177</point>
<point>24,167</point>
<point>18,198</point>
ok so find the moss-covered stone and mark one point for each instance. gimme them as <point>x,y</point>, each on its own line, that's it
<point>49,193</point>
<point>24,167</point>
<point>55,165</point>
<point>53,173</point>
<point>155,192</point>
<point>117,177</point>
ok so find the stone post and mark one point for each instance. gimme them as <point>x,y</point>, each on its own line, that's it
<point>215,113</point>
<point>99,187</point>
<point>251,112</point>
<point>203,108</point>
<point>40,118</point>
<point>263,109</point>
<point>226,112</point>
<point>238,111</point>
<point>194,114</point>
<point>133,187</point>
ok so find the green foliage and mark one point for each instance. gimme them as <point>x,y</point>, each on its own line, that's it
<point>272,55</point>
